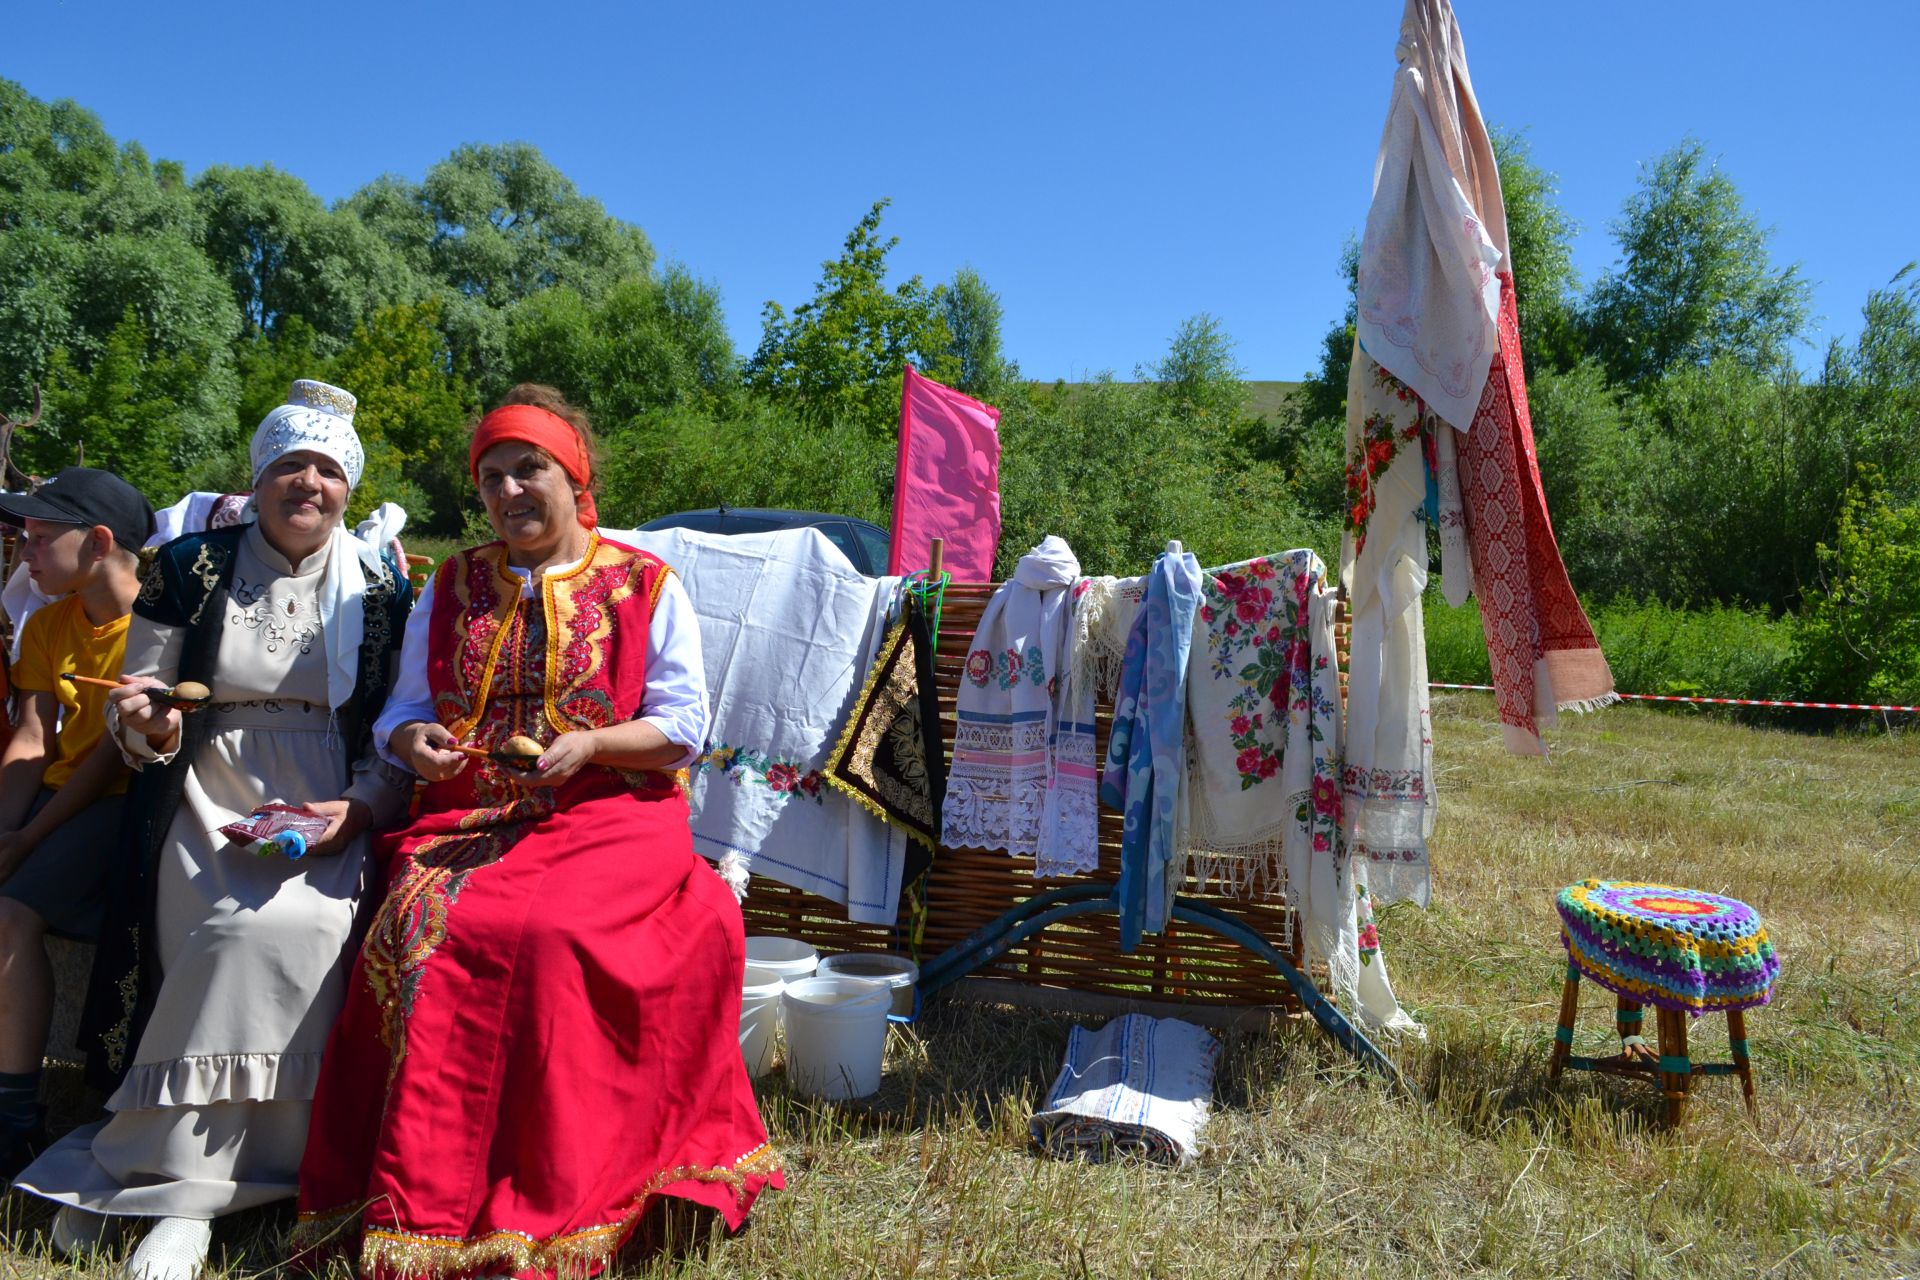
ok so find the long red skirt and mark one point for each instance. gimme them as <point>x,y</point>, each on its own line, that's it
<point>541,1035</point>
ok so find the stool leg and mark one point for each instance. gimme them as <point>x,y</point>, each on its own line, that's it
<point>1630,1020</point>
<point>1737,1034</point>
<point>1563,1033</point>
<point>1676,1070</point>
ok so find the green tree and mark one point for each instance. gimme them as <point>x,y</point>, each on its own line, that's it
<point>124,412</point>
<point>645,346</point>
<point>1858,639</point>
<point>973,313</point>
<point>1694,281</point>
<point>1540,247</point>
<point>838,357</point>
<point>493,226</point>
<point>285,255</point>
<point>412,417</point>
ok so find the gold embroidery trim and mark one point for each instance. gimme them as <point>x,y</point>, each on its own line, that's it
<point>511,593</point>
<point>570,1254</point>
<point>849,732</point>
<point>115,1040</point>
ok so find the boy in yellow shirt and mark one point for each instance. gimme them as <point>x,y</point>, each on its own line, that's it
<point>60,799</point>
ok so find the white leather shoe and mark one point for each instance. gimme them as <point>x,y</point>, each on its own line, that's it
<point>78,1231</point>
<point>175,1249</point>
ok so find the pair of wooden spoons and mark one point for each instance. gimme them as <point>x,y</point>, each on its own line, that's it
<point>188,695</point>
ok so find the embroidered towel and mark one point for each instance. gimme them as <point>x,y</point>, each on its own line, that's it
<point>1004,714</point>
<point>1387,775</point>
<point>1138,1086</point>
<point>788,629</point>
<point>1145,770</point>
<point>1541,648</point>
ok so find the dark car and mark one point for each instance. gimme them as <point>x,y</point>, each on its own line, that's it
<point>861,541</point>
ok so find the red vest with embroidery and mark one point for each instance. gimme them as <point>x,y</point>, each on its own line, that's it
<point>571,657</point>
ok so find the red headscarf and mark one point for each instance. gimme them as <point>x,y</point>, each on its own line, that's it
<point>530,424</point>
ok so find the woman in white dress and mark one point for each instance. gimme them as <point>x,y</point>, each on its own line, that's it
<point>220,971</point>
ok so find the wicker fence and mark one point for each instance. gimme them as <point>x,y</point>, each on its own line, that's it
<point>969,888</point>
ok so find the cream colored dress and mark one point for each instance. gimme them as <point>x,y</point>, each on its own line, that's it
<point>212,1115</point>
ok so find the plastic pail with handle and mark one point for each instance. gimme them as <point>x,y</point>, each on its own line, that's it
<point>836,1035</point>
<point>896,971</point>
<point>759,1018</point>
<point>788,957</point>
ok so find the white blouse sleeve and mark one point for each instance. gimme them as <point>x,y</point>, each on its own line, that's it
<point>675,701</point>
<point>152,650</point>
<point>410,699</point>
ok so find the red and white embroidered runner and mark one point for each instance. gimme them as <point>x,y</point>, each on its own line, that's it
<point>1542,649</point>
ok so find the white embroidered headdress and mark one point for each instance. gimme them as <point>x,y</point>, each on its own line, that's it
<point>317,418</point>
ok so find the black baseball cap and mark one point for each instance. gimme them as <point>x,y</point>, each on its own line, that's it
<point>85,496</point>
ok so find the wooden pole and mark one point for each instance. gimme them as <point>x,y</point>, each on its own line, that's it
<point>936,556</point>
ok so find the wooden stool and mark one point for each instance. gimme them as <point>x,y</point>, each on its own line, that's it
<point>1684,952</point>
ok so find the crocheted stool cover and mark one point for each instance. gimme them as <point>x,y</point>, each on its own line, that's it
<point>1676,948</point>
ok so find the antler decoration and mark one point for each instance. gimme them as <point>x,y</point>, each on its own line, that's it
<point>11,476</point>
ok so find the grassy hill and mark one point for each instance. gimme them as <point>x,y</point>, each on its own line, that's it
<point>1264,399</point>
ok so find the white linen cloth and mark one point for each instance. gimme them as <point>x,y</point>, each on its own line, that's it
<point>212,1114</point>
<point>1427,296</point>
<point>788,632</point>
<point>1005,714</point>
<point>1138,1086</point>
<point>675,701</point>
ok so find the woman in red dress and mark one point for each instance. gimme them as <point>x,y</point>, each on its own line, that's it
<point>541,1034</point>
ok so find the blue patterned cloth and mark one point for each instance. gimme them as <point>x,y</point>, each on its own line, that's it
<point>1146,754</point>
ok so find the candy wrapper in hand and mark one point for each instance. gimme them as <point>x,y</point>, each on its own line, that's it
<point>277,828</point>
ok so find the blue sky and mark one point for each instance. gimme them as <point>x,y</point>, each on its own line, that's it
<point>1109,169</point>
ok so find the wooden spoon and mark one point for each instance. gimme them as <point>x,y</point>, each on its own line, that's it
<point>518,752</point>
<point>188,695</point>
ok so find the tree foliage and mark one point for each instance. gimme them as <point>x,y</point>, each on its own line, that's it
<point>1859,637</point>
<point>837,357</point>
<point>1694,281</point>
<point>1686,462</point>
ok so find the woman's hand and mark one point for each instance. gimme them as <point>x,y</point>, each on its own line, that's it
<point>422,744</point>
<point>346,819</point>
<point>157,722</point>
<point>562,758</point>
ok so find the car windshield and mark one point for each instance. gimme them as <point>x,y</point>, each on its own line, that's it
<point>842,537</point>
<point>875,543</point>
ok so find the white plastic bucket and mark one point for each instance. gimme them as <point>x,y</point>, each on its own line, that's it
<point>788,957</point>
<point>836,1035</point>
<point>759,1018</point>
<point>896,971</point>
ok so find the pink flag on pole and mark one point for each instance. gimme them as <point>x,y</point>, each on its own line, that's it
<point>947,483</point>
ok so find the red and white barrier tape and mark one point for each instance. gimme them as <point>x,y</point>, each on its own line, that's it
<point>1727,702</point>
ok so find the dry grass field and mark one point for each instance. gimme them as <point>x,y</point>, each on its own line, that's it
<point>1313,1169</point>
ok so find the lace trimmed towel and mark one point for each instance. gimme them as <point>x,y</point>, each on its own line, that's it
<point>1139,1086</point>
<point>1144,777</point>
<point>1004,719</point>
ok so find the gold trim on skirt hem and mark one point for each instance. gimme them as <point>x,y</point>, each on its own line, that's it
<point>572,1254</point>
